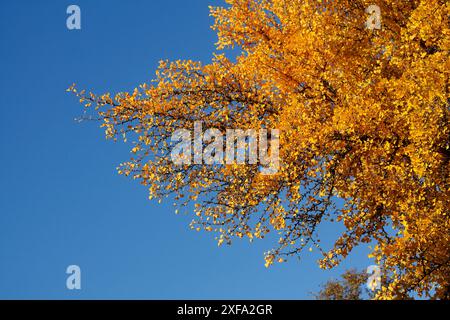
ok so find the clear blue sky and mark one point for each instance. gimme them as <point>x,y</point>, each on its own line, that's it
<point>61,200</point>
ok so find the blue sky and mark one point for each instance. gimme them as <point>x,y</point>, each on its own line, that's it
<point>61,200</point>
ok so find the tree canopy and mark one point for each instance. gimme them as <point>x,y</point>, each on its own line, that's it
<point>351,286</point>
<point>363,116</point>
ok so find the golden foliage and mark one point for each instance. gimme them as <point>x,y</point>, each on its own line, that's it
<point>364,124</point>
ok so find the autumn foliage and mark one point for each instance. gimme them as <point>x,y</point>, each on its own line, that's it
<point>364,129</point>
<point>352,285</point>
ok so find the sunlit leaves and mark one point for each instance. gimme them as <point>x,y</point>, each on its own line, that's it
<point>363,117</point>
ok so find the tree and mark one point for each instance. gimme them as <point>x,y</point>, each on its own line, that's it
<point>363,116</point>
<point>351,286</point>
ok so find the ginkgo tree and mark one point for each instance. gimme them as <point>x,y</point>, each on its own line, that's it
<point>363,116</point>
